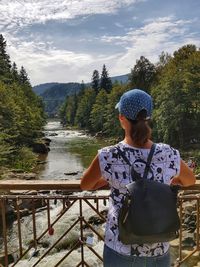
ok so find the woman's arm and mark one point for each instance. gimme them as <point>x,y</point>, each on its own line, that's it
<point>92,178</point>
<point>186,176</point>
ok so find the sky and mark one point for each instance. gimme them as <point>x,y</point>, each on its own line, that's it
<point>66,40</point>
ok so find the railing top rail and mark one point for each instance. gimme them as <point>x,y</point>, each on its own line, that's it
<point>72,185</point>
<point>67,185</point>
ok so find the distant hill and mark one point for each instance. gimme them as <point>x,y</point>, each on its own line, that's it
<point>120,79</point>
<point>41,88</point>
<point>54,94</point>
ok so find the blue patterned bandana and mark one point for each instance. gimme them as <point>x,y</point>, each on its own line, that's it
<point>132,102</point>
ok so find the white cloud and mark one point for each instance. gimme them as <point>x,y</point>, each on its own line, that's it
<point>45,63</point>
<point>162,34</point>
<point>20,13</point>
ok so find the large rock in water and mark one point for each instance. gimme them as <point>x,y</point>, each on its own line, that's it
<point>40,148</point>
<point>46,141</point>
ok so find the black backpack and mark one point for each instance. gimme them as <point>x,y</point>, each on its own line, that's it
<point>149,211</point>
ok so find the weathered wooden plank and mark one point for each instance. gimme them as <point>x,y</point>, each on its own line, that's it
<point>72,185</point>
<point>69,185</point>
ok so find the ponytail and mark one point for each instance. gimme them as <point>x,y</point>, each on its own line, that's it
<point>140,130</point>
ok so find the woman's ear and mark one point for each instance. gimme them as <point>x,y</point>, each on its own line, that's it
<point>122,120</point>
<point>121,117</point>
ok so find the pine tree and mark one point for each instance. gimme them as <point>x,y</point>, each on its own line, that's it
<point>4,60</point>
<point>82,85</point>
<point>143,74</point>
<point>14,72</point>
<point>23,76</point>
<point>95,81</point>
<point>105,82</point>
<point>84,108</point>
<point>97,115</point>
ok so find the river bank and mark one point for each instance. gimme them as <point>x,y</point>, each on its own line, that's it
<point>70,152</point>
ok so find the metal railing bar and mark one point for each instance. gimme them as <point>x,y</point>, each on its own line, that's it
<point>58,240</point>
<point>3,212</point>
<point>59,197</point>
<point>34,224</point>
<point>198,224</point>
<point>186,257</point>
<point>96,253</point>
<point>189,197</point>
<point>181,259</point>
<point>19,227</point>
<point>97,205</point>
<point>68,253</point>
<point>48,215</point>
<point>93,229</point>
<point>92,207</point>
<point>57,219</point>
<point>63,204</point>
<point>80,263</point>
<point>181,229</point>
<point>68,202</point>
<point>81,230</point>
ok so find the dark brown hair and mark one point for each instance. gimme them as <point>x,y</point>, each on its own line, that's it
<point>140,130</point>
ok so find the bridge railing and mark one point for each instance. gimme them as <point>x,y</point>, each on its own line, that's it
<point>83,215</point>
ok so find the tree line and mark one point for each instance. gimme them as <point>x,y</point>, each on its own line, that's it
<point>174,83</point>
<point>21,113</point>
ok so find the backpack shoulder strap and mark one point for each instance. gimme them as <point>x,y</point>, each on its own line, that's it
<point>134,174</point>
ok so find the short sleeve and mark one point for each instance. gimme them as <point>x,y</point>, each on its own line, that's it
<point>177,160</point>
<point>172,161</point>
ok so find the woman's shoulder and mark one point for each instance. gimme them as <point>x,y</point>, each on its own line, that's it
<point>108,149</point>
<point>167,149</point>
<point>165,146</point>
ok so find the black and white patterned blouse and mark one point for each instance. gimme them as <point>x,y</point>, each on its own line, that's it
<point>164,165</point>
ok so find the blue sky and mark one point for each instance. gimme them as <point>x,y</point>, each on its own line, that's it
<point>66,40</point>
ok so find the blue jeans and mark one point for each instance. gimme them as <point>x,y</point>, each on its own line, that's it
<point>112,258</point>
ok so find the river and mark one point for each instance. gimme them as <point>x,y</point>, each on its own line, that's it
<point>71,151</point>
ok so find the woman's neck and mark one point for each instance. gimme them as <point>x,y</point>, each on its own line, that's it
<point>130,142</point>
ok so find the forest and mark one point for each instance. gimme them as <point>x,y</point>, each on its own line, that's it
<point>21,114</point>
<point>173,82</point>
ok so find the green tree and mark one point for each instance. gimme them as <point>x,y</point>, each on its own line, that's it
<point>23,77</point>
<point>14,73</point>
<point>111,125</point>
<point>105,81</point>
<point>184,53</point>
<point>177,98</point>
<point>164,58</point>
<point>70,105</point>
<point>84,109</point>
<point>97,115</point>
<point>143,74</point>
<point>21,113</point>
<point>5,64</point>
<point>95,81</point>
